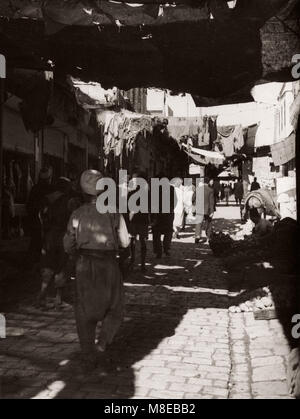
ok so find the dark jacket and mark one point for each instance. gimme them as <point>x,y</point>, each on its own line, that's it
<point>163,221</point>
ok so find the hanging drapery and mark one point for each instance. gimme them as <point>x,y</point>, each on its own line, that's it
<point>204,156</point>
<point>231,138</point>
<point>249,137</point>
<point>185,127</point>
<point>177,53</point>
<point>139,142</point>
<point>93,95</point>
<point>259,10</point>
<point>284,151</point>
<point>226,131</point>
<point>58,14</point>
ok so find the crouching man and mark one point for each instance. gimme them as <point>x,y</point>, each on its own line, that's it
<point>94,239</point>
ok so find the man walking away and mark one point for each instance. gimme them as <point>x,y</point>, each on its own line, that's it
<point>227,191</point>
<point>239,192</point>
<point>162,223</point>
<point>138,225</point>
<point>255,185</point>
<point>204,210</point>
<point>94,238</point>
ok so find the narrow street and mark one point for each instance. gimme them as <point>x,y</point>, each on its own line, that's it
<point>178,340</point>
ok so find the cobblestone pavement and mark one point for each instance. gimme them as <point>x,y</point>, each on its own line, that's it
<point>178,339</point>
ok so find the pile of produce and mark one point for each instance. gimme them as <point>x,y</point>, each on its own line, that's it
<point>260,299</point>
<point>221,244</point>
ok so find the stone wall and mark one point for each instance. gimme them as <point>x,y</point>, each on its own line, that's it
<point>279,43</point>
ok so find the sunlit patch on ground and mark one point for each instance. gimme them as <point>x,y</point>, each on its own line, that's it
<point>168,267</point>
<point>52,390</point>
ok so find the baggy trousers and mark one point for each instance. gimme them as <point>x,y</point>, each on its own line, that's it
<point>163,226</point>
<point>99,297</point>
<point>157,245</point>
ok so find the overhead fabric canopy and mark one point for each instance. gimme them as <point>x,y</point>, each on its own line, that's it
<point>131,12</point>
<point>125,59</point>
<point>200,47</point>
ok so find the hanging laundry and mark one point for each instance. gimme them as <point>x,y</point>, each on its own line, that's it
<point>195,126</point>
<point>138,124</point>
<point>111,131</point>
<point>284,151</point>
<point>104,117</point>
<point>227,146</point>
<point>207,153</point>
<point>178,127</point>
<point>197,158</point>
<point>238,140</point>
<point>200,139</point>
<point>204,136</point>
<point>124,129</point>
<point>212,129</point>
<point>181,127</point>
<point>119,147</point>
<point>203,139</point>
<point>251,136</point>
<point>226,131</point>
<point>231,138</point>
<point>249,139</point>
<point>204,156</point>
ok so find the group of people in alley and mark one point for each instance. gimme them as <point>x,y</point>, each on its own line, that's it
<point>70,237</point>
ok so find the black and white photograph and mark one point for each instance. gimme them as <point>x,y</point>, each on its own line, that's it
<point>149,202</point>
